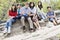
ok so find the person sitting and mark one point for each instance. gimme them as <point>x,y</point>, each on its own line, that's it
<point>33,15</point>
<point>25,12</point>
<point>12,13</point>
<point>51,16</point>
<point>18,11</point>
<point>36,22</point>
<point>40,12</point>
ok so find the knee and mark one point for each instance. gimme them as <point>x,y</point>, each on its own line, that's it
<point>22,18</point>
<point>29,19</point>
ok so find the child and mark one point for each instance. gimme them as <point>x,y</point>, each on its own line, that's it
<point>51,15</point>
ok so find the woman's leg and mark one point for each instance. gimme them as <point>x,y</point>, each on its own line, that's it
<point>37,22</point>
<point>35,25</point>
<point>8,26</point>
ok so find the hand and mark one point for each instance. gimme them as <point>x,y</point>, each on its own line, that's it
<point>22,12</point>
<point>10,17</point>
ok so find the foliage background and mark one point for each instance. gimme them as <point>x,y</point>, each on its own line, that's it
<point>5,4</point>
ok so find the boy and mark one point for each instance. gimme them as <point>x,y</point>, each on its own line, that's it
<point>51,15</point>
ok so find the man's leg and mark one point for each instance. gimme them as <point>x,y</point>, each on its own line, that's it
<point>30,22</point>
<point>22,21</point>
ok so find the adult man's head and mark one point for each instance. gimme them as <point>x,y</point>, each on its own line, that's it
<point>26,4</point>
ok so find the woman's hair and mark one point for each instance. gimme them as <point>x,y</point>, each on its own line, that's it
<point>40,6</point>
<point>31,6</point>
<point>15,9</point>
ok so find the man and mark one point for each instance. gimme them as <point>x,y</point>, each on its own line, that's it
<point>51,15</point>
<point>25,12</point>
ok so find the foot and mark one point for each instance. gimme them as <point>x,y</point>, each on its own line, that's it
<point>4,33</point>
<point>40,28</point>
<point>9,33</point>
<point>32,30</point>
<point>24,29</point>
<point>55,24</point>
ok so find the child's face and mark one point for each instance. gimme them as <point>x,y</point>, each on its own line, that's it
<point>49,9</point>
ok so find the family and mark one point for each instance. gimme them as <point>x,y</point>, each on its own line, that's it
<point>31,13</point>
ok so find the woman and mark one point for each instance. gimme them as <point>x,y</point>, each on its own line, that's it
<point>40,10</point>
<point>12,13</point>
<point>36,22</point>
<point>33,15</point>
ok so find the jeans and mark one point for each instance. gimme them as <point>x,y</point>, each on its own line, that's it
<point>41,15</point>
<point>9,24</point>
<point>29,20</point>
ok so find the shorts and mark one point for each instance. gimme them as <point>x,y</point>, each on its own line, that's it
<point>51,19</point>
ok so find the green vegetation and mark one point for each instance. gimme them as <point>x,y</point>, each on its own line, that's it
<point>5,4</point>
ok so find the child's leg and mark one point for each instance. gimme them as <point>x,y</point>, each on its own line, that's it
<point>54,22</point>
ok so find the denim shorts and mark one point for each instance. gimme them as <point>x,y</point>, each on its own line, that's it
<point>51,19</point>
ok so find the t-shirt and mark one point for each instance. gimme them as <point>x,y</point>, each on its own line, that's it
<point>11,13</point>
<point>18,10</point>
<point>33,10</point>
<point>51,13</point>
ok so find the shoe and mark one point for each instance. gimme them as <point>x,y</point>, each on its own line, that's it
<point>4,33</point>
<point>32,30</point>
<point>24,29</point>
<point>9,33</point>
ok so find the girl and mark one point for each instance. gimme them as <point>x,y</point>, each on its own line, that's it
<point>33,15</point>
<point>12,13</point>
<point>40,10</point>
